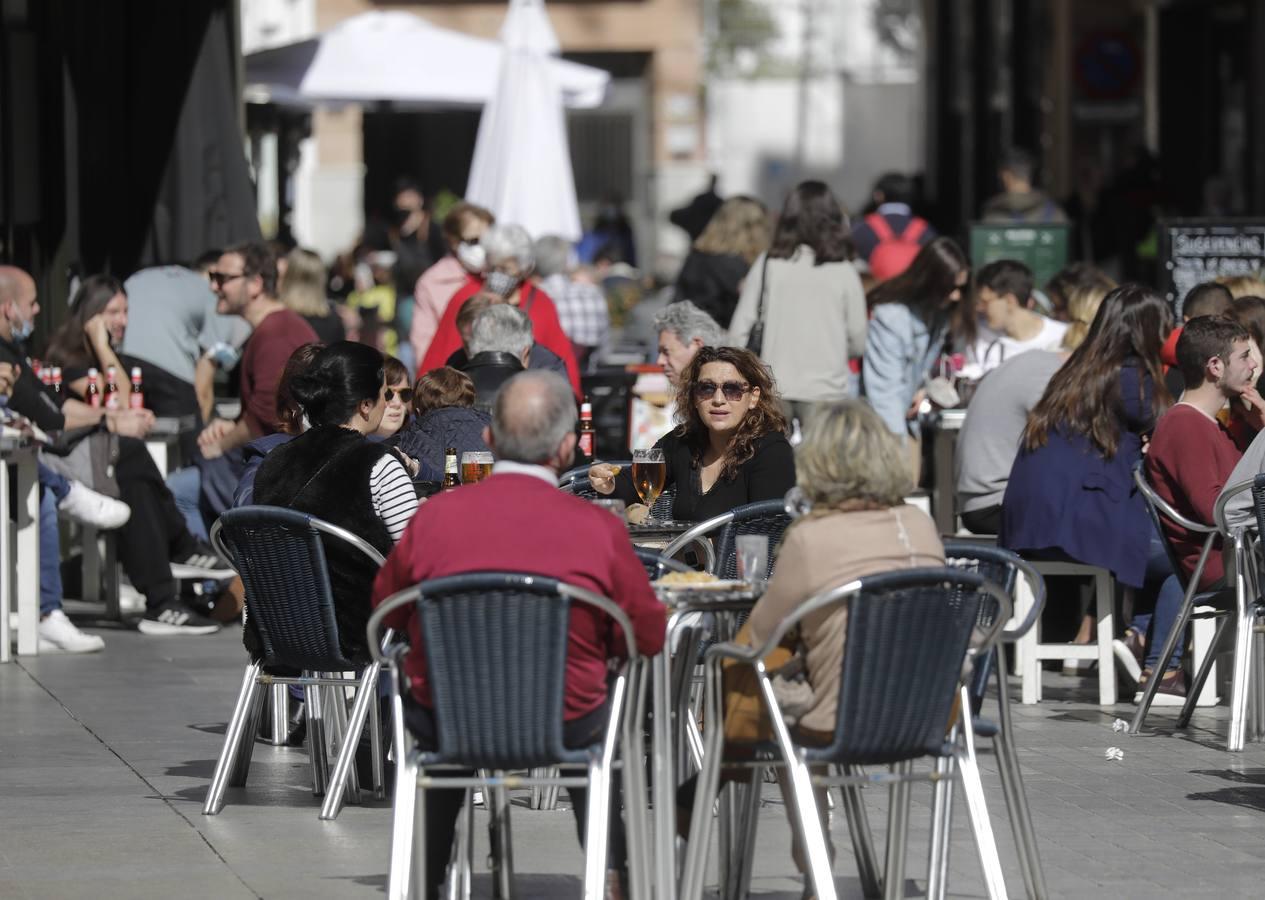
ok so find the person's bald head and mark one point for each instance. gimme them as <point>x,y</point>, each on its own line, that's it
<point>533,420</point>
<point>17,300</point>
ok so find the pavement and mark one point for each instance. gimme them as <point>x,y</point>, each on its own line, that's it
<point>105,760</point>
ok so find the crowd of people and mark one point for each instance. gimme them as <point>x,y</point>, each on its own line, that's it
<point>803,350</point>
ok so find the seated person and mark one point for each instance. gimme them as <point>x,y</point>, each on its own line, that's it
<point>500,345</point>
<point>852,471</point>
<point>1008,325</point>
<point>399,398</point>
<point>484,527</point>
<point>1206,299</point>
<point>1191,458</point>
<point>334,472</point>
<point>291,422</point>
<point>731,448</point>
<point>539,358</point>
<point>998,412</point>
<point>444,416</point>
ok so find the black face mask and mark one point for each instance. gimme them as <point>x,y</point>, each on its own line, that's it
<point>400,216</point>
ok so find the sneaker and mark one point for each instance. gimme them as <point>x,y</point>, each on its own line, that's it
<point>131,601</point>
<point>176,620</point>
<point>1172,689</point>
<point>58,633</point>
<point>201,562</point>
<point>85,505</point>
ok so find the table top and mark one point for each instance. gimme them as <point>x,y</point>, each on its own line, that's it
<point>713,595</point>
<point>659,527</point>
<point>11,444</point>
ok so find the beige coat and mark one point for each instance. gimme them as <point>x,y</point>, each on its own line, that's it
<point>824,552</point>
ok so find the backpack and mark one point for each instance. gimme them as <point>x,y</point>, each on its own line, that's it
<point>894,252</point>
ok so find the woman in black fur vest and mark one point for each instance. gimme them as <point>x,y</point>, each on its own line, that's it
<point>334,472</point>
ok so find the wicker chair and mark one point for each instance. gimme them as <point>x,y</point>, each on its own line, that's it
<point>496,650</point>
<point>767,517</point>
<point>281,557</point>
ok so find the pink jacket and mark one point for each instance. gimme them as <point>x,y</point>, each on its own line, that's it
<point>437,286</point>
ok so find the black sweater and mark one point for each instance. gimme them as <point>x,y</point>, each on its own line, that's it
<point>767,475</point>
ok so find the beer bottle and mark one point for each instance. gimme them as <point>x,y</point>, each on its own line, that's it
<point>137,398</point>
<point>94,389</point>
<point>587,448</point>
<point>57,380</point>
<point>450,470</point>
<point>111,388</point>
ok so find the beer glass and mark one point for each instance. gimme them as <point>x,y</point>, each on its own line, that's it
<point>475,466</point>
<point>649,471</point>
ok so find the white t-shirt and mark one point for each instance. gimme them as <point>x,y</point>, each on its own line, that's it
<point>991,349</point>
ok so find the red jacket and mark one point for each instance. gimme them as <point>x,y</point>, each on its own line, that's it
<point>518,523</point>
<point>546,329</point>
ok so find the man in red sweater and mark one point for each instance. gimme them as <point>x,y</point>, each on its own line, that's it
<point>1192,453</point>
<point>517,520</point>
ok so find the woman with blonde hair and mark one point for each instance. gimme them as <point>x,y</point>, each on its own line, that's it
<point>303,290</point>
<point>1243,285</point>
<point>1082,306</point>
<point>712,275</point>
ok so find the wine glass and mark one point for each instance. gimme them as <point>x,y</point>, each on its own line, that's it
<point>649,471</point>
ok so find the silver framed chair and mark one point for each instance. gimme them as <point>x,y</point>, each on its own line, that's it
<point>495,645</point>
<point>909,635</point>
<point>281,556</point>
<point>767,517</point>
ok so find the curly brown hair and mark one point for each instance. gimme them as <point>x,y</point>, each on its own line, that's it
<point>765,418</point>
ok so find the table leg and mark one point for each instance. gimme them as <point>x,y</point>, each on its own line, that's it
<point>28,555</point>
<point>662,751</point>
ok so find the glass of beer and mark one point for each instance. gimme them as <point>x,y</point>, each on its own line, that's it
<point>649,470</point>
<point>475,466</point>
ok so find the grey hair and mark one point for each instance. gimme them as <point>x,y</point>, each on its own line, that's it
<point>504,242</point>
<point>501,328</point>
<point>532,413</point>
<point>553,255</point>
<point>687,322</point>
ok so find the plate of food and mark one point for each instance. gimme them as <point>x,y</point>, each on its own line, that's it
<point>698,581</point>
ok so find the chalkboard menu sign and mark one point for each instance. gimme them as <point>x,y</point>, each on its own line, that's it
<point>1197,250</point>
<point>1040,247</point>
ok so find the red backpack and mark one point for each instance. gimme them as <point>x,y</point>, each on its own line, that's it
<point>894,252</point>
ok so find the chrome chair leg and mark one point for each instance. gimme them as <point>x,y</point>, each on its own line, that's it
<point>246,746</point>
<point>500,839</point>
<point>941,828</point>
<point>366,694</point>
<point>1258,667</point>
<point>233,736</point>
<point>1245,620</point>
<point>897,833</point>
<point>377,746</point>
<point>278,714</point>
<point>400,882</point>
<point>695,862</point>
<point>598,820</point>
<point>1016,796</point>
<point>1174,636</point>
<point>1205,667</point>
<point>635,789</point>
<point>314,711</point>
<point>748,808</point>
<point>862,840</point>
<point>977,810</point>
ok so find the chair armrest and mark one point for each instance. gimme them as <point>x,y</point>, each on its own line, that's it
<point>377,644</point>
<point>1228,494</point>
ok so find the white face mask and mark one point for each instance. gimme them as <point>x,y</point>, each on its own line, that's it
<point>472,257</point>
<point>22,329</point>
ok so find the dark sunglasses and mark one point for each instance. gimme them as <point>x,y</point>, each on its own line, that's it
<point>222,278</point>
<point>405,394</point>
<point>733,390</point>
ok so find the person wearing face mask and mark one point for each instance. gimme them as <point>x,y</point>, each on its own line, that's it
<point>412,235</point>
<point>463,264</point>
<point>510,262</point>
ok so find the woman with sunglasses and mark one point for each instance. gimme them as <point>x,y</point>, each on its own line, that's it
<point>399,397</point>
<point>730,448</point>
<point>335,472</point>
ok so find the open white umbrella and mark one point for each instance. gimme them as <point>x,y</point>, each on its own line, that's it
<point>399,57</point>
<point>522,164</point>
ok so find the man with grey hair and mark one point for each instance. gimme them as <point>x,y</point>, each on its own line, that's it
<point>582,308</point>
<point>500,347</point>
<point>683,328</point>
<point>517,520</point>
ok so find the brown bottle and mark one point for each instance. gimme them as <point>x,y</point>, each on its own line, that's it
<point>450,470</point>
<point>586,450</point>
<point>111,388</point>
<point>94,389</point>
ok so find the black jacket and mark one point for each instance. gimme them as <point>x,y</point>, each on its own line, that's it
<point>489,370</point>
<point>712,282</point>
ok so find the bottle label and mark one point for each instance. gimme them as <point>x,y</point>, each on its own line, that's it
<point>94,400</point>
<point>586,443</point>
<point>112,400</point>
<point>136,400</point>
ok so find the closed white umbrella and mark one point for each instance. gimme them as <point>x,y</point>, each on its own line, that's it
<point>522,164</point>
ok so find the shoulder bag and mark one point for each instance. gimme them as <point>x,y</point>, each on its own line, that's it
<point>755,339</point>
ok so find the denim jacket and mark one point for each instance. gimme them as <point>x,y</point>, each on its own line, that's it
<point>900,351</point>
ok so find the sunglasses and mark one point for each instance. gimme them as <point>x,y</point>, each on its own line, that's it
<point>405,394</point>
<point>222,278</point>
<point>733,390</point>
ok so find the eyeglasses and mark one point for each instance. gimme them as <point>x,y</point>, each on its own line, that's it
<point>405,394</point>
<point>219,279</point>
<point>733,390</point>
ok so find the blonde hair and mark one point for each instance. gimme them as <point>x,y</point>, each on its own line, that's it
<point>739,228</point>
<point>303,288</point>
<point>1243,285</point>
<point>1082,306</point>
<point>849,457</point>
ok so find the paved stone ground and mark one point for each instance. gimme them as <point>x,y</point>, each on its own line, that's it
<point>104,762</point>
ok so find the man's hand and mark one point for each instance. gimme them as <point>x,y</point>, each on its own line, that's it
<point>8,375</point>
<point>602,477</point>
<point>212,434</point>
<point>133,423</point>
<point>1253,410</point>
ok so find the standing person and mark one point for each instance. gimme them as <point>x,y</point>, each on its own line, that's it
<point>414,237</point>
<point>462,265</point>
<point>713,273</point>
<point>889,238</point>
<point>1003,292</point>
<point>484,527</point>
<point>912,316</point>
<point>807,297</point>
<point>581,304</point>
<point>1020,202</point>
<point>303,290</point>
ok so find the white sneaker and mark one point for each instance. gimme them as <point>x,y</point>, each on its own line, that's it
<point>131,601</point>
<point>56,632</point>
<point>85,505</point>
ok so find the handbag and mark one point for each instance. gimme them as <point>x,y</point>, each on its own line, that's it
<point>746,720</point>
<point>755,339</point>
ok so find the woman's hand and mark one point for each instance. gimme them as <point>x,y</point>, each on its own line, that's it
<point>602,477</point>
<point>96,331</point>
<point>410,464</point>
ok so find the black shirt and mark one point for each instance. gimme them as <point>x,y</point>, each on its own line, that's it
<point>30,397</point>
<point>712,282</point>
<point>767,475</point>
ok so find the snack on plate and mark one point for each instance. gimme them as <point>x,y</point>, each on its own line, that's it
<point>676,578</point>
<point>637,513</point>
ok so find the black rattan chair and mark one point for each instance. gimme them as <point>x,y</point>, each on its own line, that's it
<point>767,517</point>
<point>908,636</point>
<point>496,651</point>
<point>280,555</point>
<point>657,564</point>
